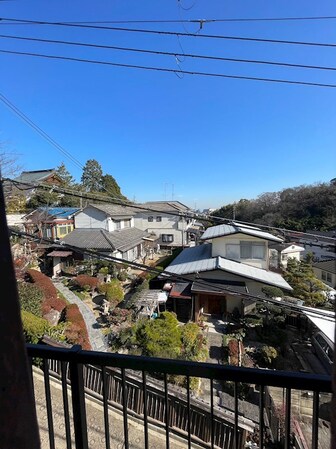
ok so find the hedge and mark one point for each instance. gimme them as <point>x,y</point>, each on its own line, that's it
<point>31,297</point>
<point>76,332</point>
<point>33,327</point>
<point>86,282</point>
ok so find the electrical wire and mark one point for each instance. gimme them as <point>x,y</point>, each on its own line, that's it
<point>174,33</point>
<point>165,53</point>
<point>197,21</point>
<point>168,275</point>
<point>187,215</point>
<point>167,70</point>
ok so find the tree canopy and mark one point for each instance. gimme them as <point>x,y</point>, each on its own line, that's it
<point>92,176</point>
<point>300,208</point>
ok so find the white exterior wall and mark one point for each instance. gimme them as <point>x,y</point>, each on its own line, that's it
<point>219,249</point>
<point>114,225</point>
<point>169,224</point>
<point>93,218</point>
<point>318,274</point>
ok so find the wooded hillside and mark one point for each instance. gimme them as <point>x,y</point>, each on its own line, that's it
<point>299,208</point>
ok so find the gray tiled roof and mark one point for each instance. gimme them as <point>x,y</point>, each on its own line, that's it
<point>198,259</point>
<point>35,176</point>
<point>229,229</point>
<point>165,206</point>
<point>326,265</point>
<point>102,240</point>
<point>115,210</point>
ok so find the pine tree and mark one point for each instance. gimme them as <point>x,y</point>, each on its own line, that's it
<point>92,176</point>
<point>67,178</point>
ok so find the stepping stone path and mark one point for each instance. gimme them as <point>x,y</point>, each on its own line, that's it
<point>96,337</point>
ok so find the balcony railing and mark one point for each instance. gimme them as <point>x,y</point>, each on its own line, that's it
<point>139,389</point>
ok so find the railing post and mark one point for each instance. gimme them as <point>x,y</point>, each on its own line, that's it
<point>78,402</point>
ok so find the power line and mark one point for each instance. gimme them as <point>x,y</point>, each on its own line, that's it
<point>167,70</point>
<point>168,275</point>
<point>173,33</point>
<point>165,53</point>
<point>191,215</point>
<point>198,21</point>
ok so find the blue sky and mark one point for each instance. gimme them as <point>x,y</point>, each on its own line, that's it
<point>208,141</point>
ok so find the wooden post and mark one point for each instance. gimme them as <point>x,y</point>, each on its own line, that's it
<point>18,422</point>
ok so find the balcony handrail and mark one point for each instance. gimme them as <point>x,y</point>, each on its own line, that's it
<point>282,379</point>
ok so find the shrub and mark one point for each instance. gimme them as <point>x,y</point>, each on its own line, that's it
<point>119,316</point>
<point>113,291</point>
<point>58,304</point>
<point>268,355</point>
<point>76,331</point>
<point>272,292</point>
<point>33,327</point>
<point>86,282</point>
<point>31,297</point>
<point>43,282</point>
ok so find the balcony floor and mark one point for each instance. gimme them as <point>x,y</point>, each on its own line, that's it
<point>95,423</point>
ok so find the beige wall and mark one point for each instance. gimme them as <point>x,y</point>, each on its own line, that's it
<point>318,273</point>
<point>219,248</point>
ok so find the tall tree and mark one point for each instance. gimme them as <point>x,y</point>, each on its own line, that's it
<point>92,176</point>
<point>111,187</point>
<point>67,178</point>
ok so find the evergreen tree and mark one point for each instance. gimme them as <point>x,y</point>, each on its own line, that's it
<point>300,276</point>
<point>92,176</point>
<point>67,178</point>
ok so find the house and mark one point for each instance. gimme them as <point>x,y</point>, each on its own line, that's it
<point>326,272</point>
<point>48,176</point>
<point>50,222</point>
<point>230,265</point>
<point>168,221</point>
<point>281,252</point>
<point>109,229</point>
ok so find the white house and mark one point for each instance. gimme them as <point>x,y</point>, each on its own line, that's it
<point>231,263</point>
<point>166,219</point>
<point>108,229</point>
<point>280,253</point>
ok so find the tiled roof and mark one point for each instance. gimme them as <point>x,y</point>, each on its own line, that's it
<point>115,210</point>
<point>100,239</point>
<point>35,176</point>
<point>165,206</point>
<point>216,286</point>
<point>326,265</point>
<point>198,259</point>
<point>229,229</point>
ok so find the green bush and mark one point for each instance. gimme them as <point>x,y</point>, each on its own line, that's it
<point>272,292</point>
<point>33,327</point>
<point>268,355</point>
<point>113,291</point>
<point>31,297</point>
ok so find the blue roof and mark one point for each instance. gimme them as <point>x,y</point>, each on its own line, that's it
<point>60,212</point>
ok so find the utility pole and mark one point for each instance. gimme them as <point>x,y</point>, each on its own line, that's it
<point>234,211</point>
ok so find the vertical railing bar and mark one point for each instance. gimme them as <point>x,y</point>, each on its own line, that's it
<point>78,404</point>
<point>261,416</point>
<point>166,410</point>
<point>144,383</point>
<point>30,360</point>
<point>212,427</point>
<point>236,405</point>
<point>316,404</point>
<point>66,404</point>
<point>124,395</point>
<point>288,419</point>
<point>48,404</point>
<point>106,411</point>
<point>189,414</point>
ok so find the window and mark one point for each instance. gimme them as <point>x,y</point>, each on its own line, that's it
<point>167,238</point>
<point>150,218</point>
<point>62,230</point>
<point>117,224</point>
<point>158,218</point>
<point>232,251</point>
<point>324,276</point>
<point>69,228</point>
<point>127,223</point>
<point>252,250</point>
<point>328,277</point>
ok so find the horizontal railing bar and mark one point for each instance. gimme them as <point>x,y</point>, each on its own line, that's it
<point>283,379</point>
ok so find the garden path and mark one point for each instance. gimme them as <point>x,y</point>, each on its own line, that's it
<point>96,336</point>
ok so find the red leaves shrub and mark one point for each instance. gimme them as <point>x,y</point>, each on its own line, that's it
<point>50,301</point>
<point>233,351</point>
<point>85,281</point>
<point>43,282</point>
<point>76,332</point>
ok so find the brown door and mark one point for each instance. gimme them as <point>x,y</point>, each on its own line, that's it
<point>215,305</point>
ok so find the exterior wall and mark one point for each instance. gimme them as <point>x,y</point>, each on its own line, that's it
<point>116,224</point>
<point>93,218</point>
<point>219,248</point>
<point>289,255</point>
<point>325,276</point>
<point>62,229</point>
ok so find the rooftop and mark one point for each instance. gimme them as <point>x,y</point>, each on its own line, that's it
<point>35,175</point>
<point>166,206</point>
<point>326,265</point>
<point>231,229</point>
<point>115,210</point>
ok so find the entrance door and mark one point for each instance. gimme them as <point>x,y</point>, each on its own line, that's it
<point>216,305</point>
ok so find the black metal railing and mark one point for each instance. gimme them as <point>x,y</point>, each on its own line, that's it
<point>106,377</point>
